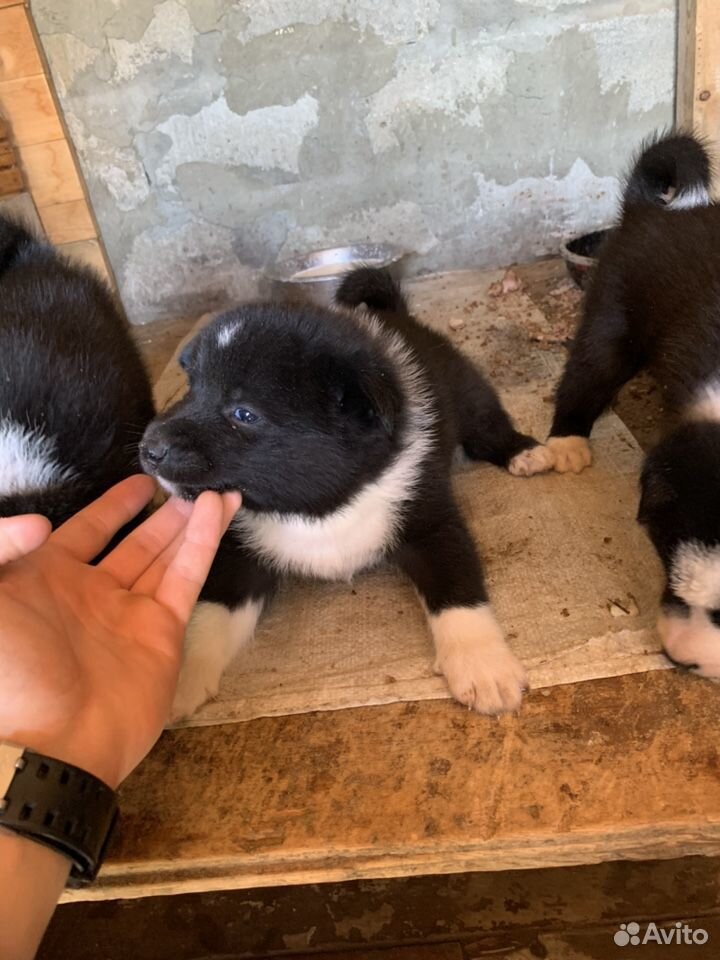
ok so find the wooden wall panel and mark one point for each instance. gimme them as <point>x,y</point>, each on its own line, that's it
<point>36,134</point>
<point>67,222</point>
<point>28,106</point>
<point>50,173</point>
<point>11,180</point>
<point>698,78</point>
<point>19,55</point>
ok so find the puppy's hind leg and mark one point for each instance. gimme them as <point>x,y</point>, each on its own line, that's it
<point>222,623</point>
<point>481,670</point>
<point>602,359</point>
<point>487,432</point>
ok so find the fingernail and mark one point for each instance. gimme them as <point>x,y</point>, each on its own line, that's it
<point>233,500</point>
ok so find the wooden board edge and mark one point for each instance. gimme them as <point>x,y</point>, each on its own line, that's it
<point>647,842</point>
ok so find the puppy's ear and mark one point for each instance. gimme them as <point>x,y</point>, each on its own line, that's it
<point>363,390</point>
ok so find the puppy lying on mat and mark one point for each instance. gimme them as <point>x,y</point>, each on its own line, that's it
<point>339,428</point>
<point>655,303</point>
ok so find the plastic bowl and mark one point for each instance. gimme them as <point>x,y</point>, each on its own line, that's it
<point>581,254</point>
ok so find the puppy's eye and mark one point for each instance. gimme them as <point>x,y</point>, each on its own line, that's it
<point>244,415</point>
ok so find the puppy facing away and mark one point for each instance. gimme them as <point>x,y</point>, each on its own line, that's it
<point>74,396</point>
<point>654,304</point>
<point>338,427</point>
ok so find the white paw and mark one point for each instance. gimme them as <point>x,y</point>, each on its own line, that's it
<point>537,459</point>
<point>481,670</point>
<point>213,637</point>
<point>692,641</point>
<point>570,454</point>
<point>199,682</point>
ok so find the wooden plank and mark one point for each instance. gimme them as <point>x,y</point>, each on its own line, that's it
<point>500,911</point>
<point>698,79</point>
<point>50,172</point>
<point>68,222</point>
<point>685,81</point>
<point>29,108</point>
<point>22,208</point>
<point>11,181</point>
<point>19,56</point>
<point>12,3</point>
<point>625,768</point>
<point>88,252</point>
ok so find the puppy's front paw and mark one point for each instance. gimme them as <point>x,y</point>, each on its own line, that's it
<point>199,682</point>
<point>481,670</point>
<point>570,454</point>
<point>537,459</point>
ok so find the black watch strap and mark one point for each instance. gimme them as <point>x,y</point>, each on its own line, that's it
<point>58,805</point>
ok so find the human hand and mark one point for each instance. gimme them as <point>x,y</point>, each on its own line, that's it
<point>89,656</point>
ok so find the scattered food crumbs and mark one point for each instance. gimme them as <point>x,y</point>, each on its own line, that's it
<point>390,679</point>
<point>509,283</point>
<point>607,539</point>
<point>564,612</point>
<point>456,323</point>
<point>565,286</point>
<point>546,692</point>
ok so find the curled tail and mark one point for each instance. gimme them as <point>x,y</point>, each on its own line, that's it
<point>374,287</point>
<point>671,171</point>
<point>14,238</point>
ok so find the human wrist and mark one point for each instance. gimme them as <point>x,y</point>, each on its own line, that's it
<point>32,878</point>
<point>24,853</point>
<point>77,748</point>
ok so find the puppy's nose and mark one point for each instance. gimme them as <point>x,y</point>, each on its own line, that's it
<point>154,450</point>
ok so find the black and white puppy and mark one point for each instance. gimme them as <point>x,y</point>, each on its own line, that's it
<point>655,303</point>
<point>338,428</point>
<point>74,396</point>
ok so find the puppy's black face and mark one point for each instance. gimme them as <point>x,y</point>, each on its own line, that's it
<point>295,408</point>
<point>680,509</point>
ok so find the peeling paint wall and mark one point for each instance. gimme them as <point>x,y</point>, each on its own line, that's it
<point>216,135</point>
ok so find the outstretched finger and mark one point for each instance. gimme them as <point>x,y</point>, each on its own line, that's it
<point>185,575</point>
<point>151,579</point>
<point>147,543</point>
<point>85,534</point>
<point>21,535</point>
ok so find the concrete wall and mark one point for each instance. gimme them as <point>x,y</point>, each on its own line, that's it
<point>218,135</point>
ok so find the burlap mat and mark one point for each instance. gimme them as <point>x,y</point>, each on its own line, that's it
<point>572,578</point>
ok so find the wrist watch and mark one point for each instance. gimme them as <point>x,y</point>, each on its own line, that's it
<point>58,805</point>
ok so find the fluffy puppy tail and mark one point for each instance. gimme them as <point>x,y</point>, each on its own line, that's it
<point>374,287</point>
<point>14,238</point>
<point>671,171</point>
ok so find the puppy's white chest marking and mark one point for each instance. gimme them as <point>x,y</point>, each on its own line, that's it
<point>332,547</point>
<point>27,460</point>
<point>695,574</point>
<point>351,538</point>
<point>706,405</point>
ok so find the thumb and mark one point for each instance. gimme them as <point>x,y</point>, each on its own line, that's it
<point>21,535</point>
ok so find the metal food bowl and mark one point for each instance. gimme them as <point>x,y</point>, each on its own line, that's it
<point>581,254</point>
<point>315,277</point>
